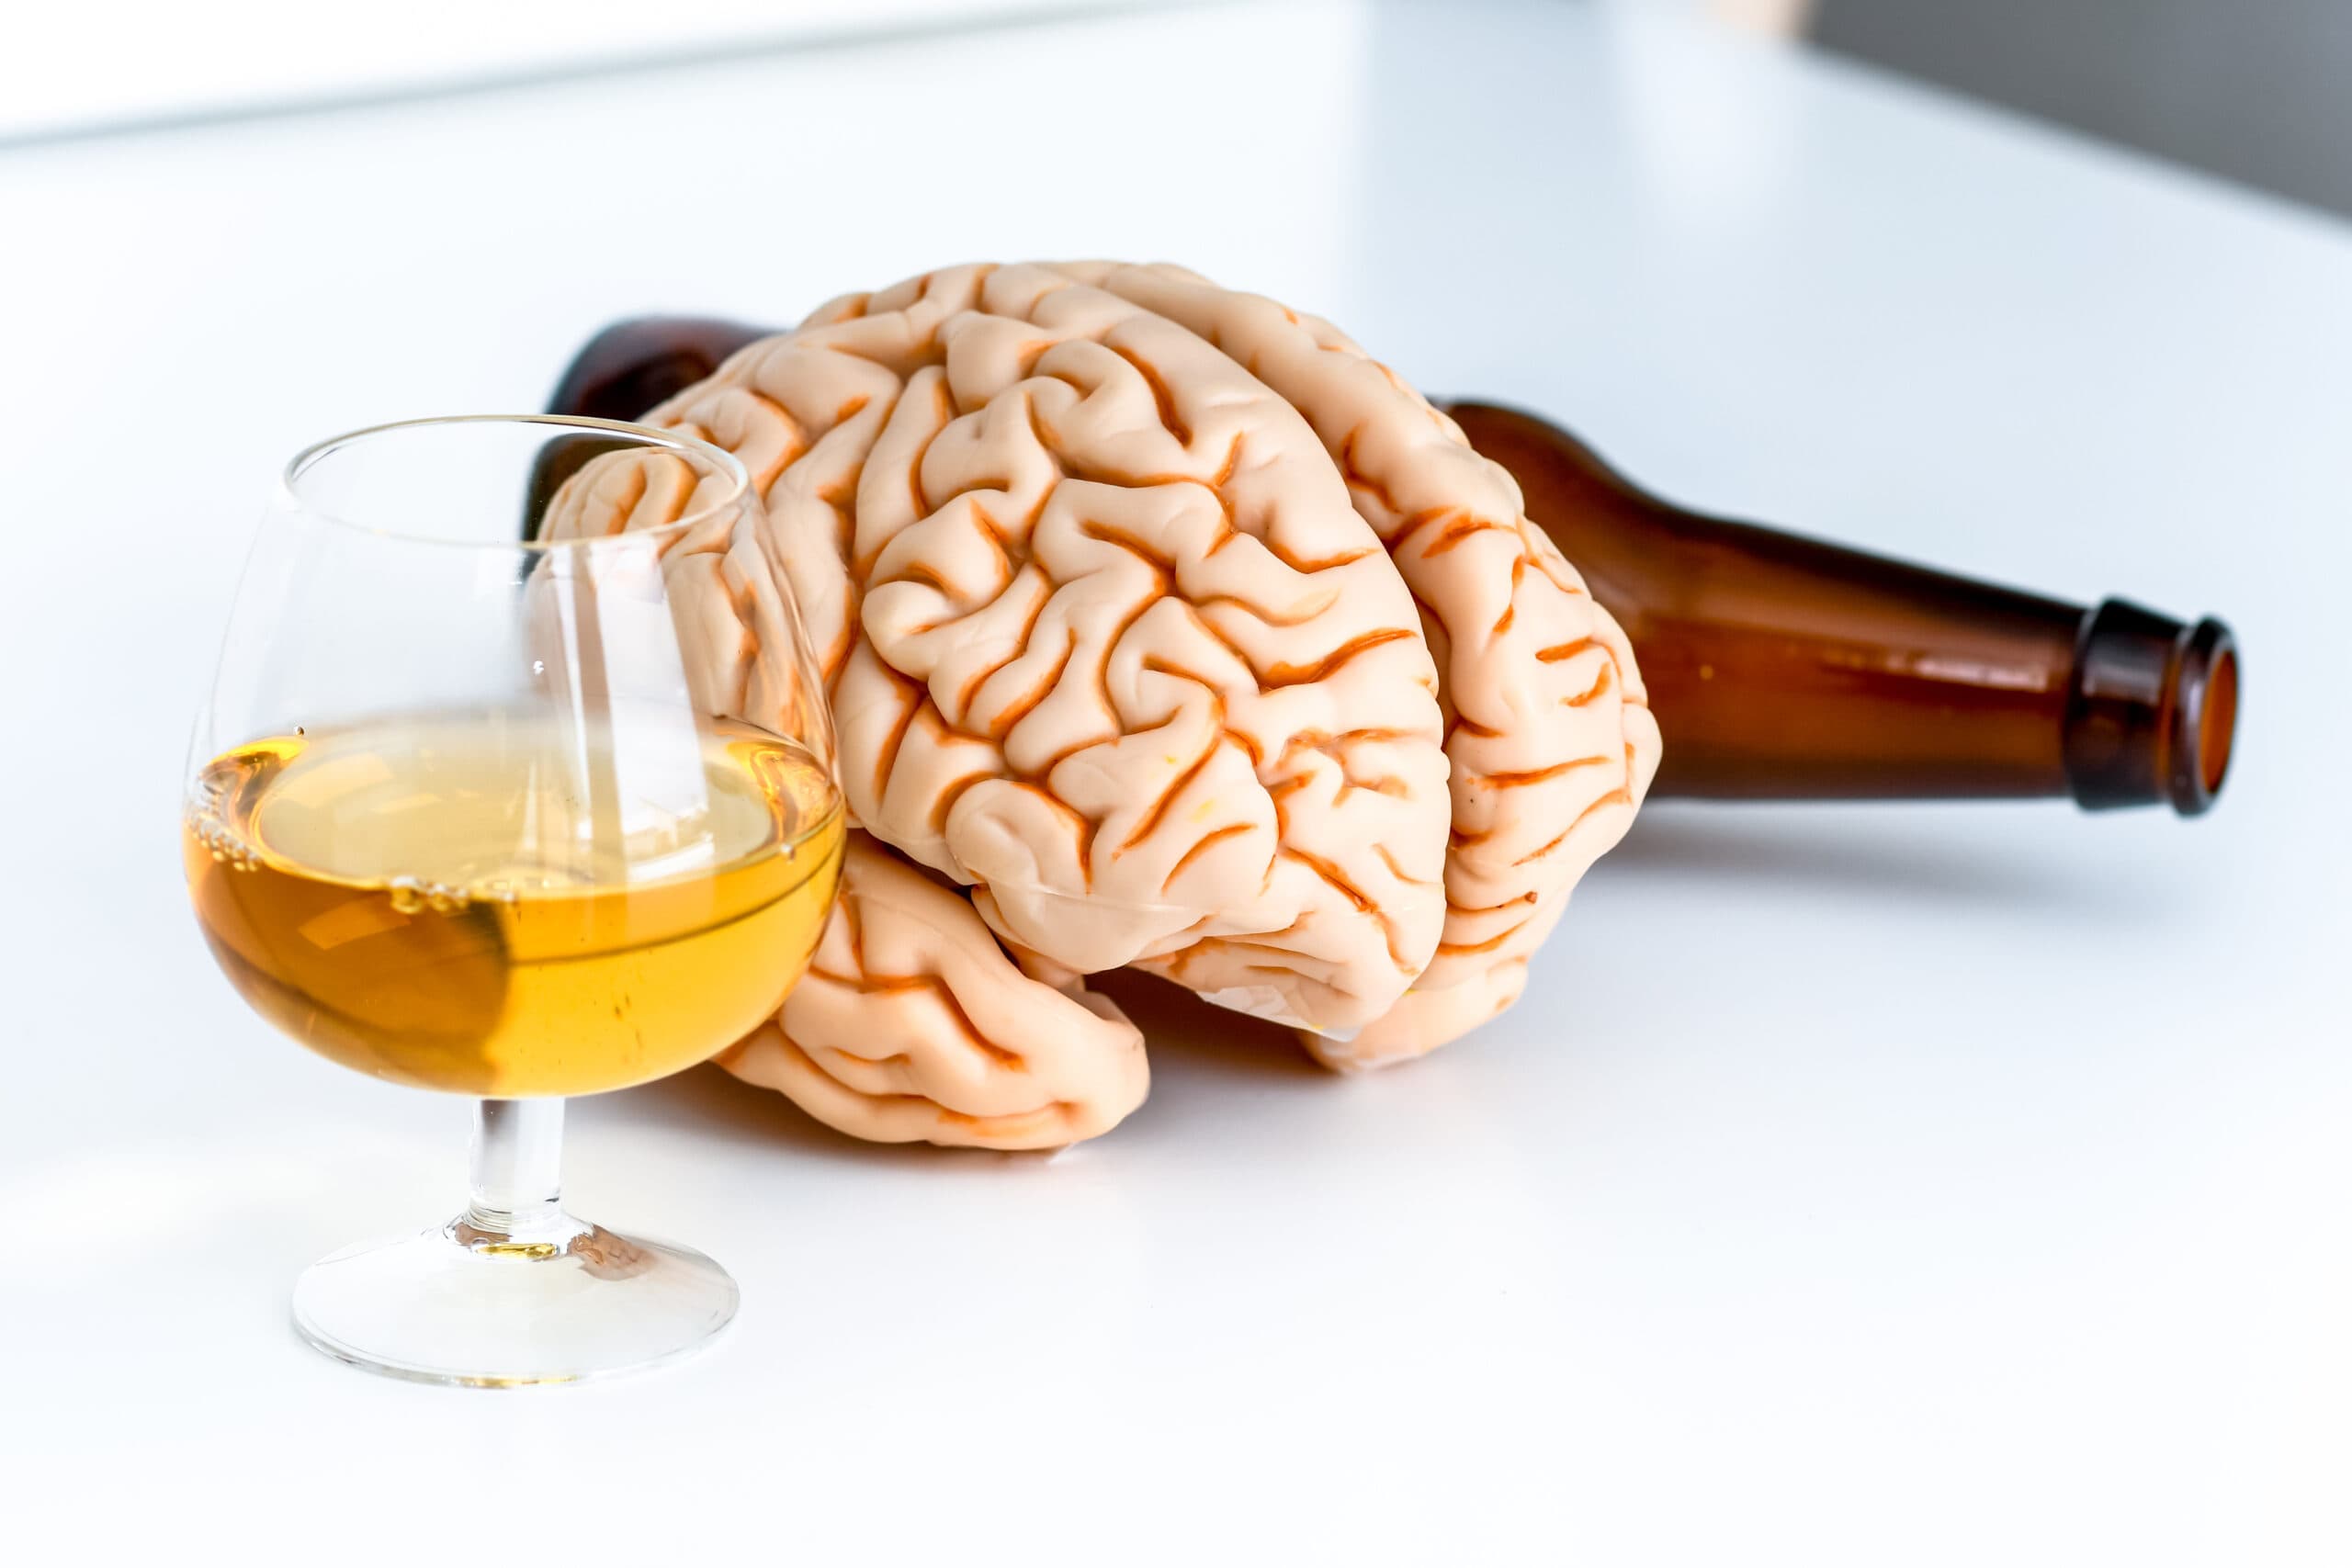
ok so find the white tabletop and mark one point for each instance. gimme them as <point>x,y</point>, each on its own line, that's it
<point>1869,1185</point>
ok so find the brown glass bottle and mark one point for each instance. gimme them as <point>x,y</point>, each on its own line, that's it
<point>1779,667</point>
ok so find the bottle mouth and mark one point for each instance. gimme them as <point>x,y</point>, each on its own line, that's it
<point>2152,714</point>
<point>2213,703</point>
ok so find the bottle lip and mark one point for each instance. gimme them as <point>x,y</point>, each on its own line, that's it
<point>2152,712</point>
<point>2204,717</point>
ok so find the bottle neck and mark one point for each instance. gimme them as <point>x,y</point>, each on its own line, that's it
<point>630,366</point>
<point>1783,668</point>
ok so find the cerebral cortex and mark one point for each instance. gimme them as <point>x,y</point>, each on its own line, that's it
<point>1161,627</point>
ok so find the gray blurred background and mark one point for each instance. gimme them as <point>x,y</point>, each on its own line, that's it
<point>2257,91</point>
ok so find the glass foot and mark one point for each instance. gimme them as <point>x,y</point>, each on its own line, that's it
<point>496,1309</point>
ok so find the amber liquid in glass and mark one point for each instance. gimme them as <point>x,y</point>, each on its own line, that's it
<point>508,906</point>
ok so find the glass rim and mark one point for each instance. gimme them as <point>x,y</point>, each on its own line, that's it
<point>719,457</point>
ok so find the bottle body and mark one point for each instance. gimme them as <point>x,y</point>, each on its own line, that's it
<point>1779,667</point>
<point>1786,668</point>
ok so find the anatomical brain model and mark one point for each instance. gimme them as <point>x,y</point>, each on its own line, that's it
<point>1162,629</point>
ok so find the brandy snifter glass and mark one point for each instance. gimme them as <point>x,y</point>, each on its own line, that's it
<point>515,782</point>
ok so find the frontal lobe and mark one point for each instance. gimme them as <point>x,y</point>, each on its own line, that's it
<point>911,1022</point>
<point>1106,636</point>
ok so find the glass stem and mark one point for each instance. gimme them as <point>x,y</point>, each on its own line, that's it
<point>517,1166</point>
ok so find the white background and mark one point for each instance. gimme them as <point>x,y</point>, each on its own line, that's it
<point>1857,1185</point>
<point>97,63</point>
